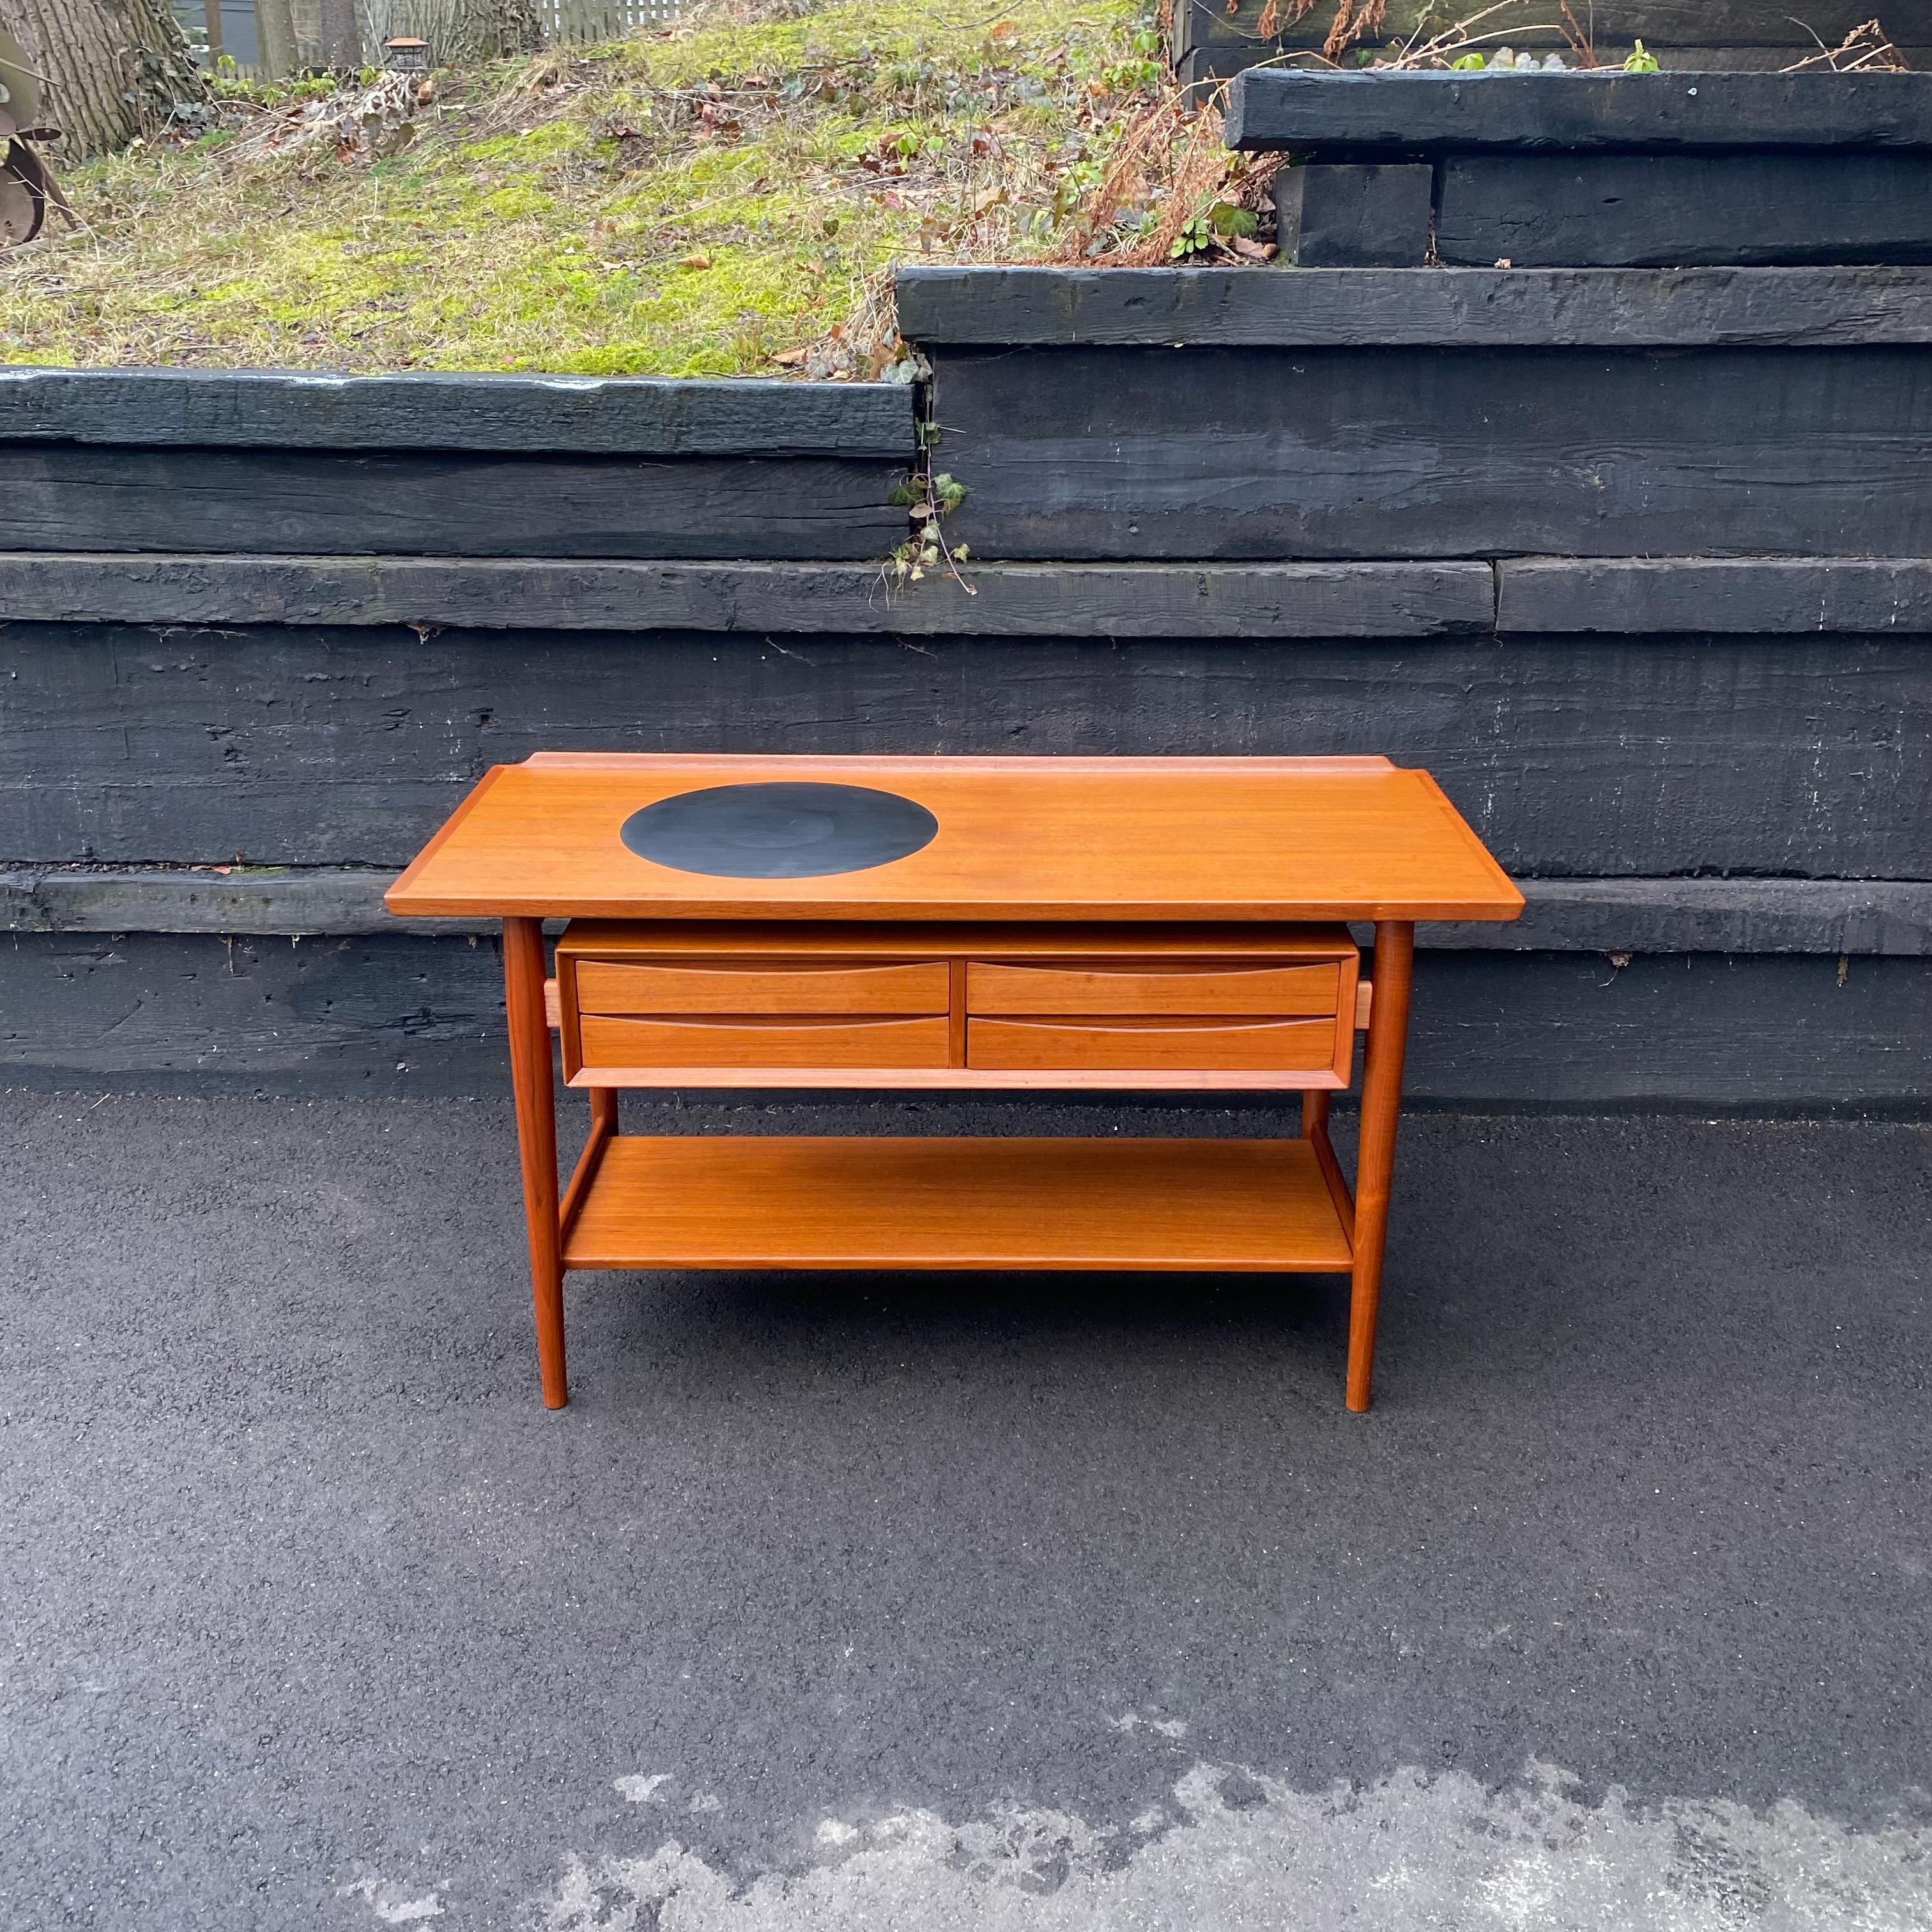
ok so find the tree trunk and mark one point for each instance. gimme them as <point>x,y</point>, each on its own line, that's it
<point>340,38</point>
<point>275,38</point>
<point>113,68</point>
<point>462,32</point>
<point>519,26</point>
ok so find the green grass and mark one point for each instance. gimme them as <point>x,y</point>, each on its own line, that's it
<point>711,200</point>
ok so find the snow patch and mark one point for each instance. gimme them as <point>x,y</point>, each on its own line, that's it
<point>1248,1850</point>
<point>1131,1721</point>
<point>389,1901</point>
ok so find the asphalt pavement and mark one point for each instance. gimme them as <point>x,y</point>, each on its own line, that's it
<point>1026,1602</point>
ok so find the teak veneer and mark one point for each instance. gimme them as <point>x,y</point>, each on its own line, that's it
<point>1126,924</point>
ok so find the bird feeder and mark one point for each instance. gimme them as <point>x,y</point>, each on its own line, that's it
<point>405,55</point>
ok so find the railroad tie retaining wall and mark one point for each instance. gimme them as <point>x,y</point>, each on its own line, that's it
<point>1213,40</point>
<point>214,754</point>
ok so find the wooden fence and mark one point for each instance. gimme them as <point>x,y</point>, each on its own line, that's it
<point>565,22</point>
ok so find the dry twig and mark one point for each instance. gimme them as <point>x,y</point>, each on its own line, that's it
<point>1865,49</point>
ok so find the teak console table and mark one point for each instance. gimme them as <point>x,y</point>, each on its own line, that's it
<point>1133,924</point>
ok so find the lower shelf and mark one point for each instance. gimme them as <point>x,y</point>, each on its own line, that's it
<point>821,1201</point>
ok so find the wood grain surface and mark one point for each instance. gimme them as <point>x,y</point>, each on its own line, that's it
<point>1862,917</point>
<point>772,1044</point>
<point>1128,1002</point>
<point>1518,308</point>
<point>1128,988</point>
<point>268,749</point>
<point>1627,211</point>
<point>1280,601</point>
<point>1169,1045</point>
<point>583,414</point>
<point>1144,453</point>
<point>1370,215</point>
<point>1382,1058</point>
<point>753,940</point>
<point>993,1202</point>
<point>707,986</point>
<point>1725,596</point>
<point>75,497</point>
<point>1089,1081</point>
<point>533,1087</point>
<point>1421,109</point>
<point>1021,838</point>
<point>397,1015</point>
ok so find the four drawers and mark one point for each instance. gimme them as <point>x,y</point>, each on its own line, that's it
<point>1277,1010</point>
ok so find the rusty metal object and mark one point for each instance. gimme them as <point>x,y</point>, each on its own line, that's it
<point>22,206</point>
<point>19,86</point>
<point>26,186</point>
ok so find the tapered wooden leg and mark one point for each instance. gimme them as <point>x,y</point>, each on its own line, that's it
<point>536,1138</point>
<point>1375,1161</point>
<point>1314,1112</point>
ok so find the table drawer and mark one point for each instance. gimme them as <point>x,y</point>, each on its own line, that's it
<point>1199,1046</point>
<point>724,986</point>
<point>1152,987</point>
<point>612,1042</point>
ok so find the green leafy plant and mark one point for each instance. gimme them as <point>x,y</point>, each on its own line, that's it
<point>927,498</point>
<point>1640,60</point>
<point>1227,218</point>
<point>1145,72</point>
<point>1197,237</point>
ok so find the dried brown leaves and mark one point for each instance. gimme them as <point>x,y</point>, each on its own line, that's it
<point>1865,49</point>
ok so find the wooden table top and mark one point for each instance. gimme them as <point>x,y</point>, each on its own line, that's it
<point>1022,839</point>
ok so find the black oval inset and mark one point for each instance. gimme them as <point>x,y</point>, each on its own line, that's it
<point>779,830</point>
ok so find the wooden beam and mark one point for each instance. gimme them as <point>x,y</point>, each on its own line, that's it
<point>1147,454</point>
<point>1862,917</point>
<point>1889,596</point>
<point>1345,599</point>
<point>1627,211</point>
<point>278,746</point>
<point>184,1013</point>
<point>1481,307</point>
<point>315,501</point>
<point>626,416</point>
<point>1416,110</point>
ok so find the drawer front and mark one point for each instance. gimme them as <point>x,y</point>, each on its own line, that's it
<point>719,986</point>
<point>609,1041</point>
<point>1046,1045</point>
<point>1151,988</point>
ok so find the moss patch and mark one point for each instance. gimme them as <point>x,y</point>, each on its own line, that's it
<point>725,197</point>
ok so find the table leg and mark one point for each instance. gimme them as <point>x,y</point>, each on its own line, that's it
<point>536,1137</point>
<point>1375,1161</point>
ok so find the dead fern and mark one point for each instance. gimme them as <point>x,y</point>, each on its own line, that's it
<point>1865,49</point>
<point>1352,25</point>
<point>1200,173</point>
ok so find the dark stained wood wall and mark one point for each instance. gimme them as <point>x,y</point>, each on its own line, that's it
<point>1658,614</point>
<point>1801,756</point>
